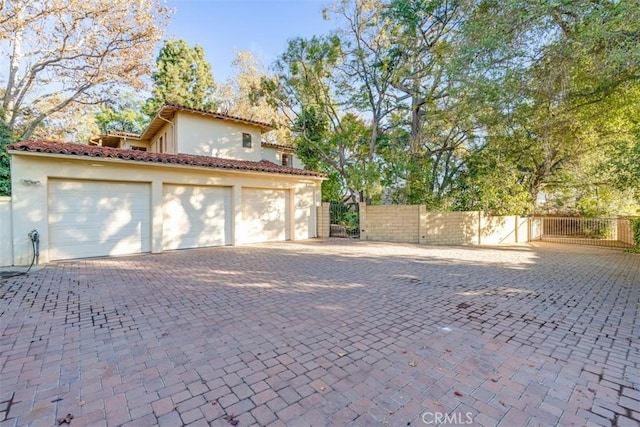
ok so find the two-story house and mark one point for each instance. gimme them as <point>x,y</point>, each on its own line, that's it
<point>192,179</point>
<point>177,129</point>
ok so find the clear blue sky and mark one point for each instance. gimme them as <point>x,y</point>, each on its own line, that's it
<point>223,27</point>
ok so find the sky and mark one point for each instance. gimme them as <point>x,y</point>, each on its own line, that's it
<point>224,27</point>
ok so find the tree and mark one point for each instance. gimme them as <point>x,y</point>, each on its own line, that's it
<point>465,104</point>
<point>559,92</point>
<point>62,53</point>
<point>367,67</point>
<point>240,96</point>
<point>76,123</point>
<point>122,115</point>
<point>319,80</point>
<point>5,171</point>
<point>183,76</point>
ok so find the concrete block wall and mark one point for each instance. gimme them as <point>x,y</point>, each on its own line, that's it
<point>453,228</point>
<point>395,223</point>
<point>6,237</point>
<point>324,221</point>
<point>414,224</point>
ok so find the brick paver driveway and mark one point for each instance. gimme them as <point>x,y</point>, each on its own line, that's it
<point>326,333</point>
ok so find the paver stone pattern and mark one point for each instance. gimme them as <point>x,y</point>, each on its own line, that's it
<point>330,332</point>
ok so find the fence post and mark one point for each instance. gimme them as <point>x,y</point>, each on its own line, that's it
<point>324,220</point>
<point>362,220</point>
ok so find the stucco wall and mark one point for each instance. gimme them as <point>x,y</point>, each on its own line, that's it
<point>30,205</point>
<point>217,138</point>
<point>166,132</point>
<point>6,251</point>
<point>272,154</point>
<point>497,230</point>
<point>535,229</point>
<point>128,143</point>
<point>275,155</point>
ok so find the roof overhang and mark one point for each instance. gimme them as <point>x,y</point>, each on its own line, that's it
<point>168,112</point>
<point>45,148</point>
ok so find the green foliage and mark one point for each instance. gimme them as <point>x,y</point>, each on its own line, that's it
<point>472,105</point>
<point>345,215</point>
<point>599,229</point>
<point>635,226</point>
<point>328,139</point>
<point>123,115</point>
<point>333,188</point>
<point>490,185</point>
<point>558,106</point>
<point>183,76</point>
<point>5,166</point>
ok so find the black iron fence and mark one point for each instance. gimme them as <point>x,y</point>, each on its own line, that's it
<point>344,220</point>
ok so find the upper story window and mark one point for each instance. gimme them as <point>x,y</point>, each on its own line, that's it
<point>287,159</point>
<point>138,148</point>
<point>246,140</point>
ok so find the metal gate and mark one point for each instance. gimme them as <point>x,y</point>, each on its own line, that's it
<point>345,220</point>
<point>612,232</point>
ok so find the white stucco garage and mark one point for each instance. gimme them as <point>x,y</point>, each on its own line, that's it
<point>95,201</point>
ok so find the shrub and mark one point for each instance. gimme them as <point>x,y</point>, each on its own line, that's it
<point>635,227</point>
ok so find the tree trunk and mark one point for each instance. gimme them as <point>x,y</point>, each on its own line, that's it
<point>9,108</point>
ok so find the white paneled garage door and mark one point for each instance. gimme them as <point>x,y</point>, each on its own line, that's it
<point>265,215</point>
<point>196,217</point>
<point>98,218</point>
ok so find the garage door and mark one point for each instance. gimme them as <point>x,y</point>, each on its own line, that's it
<point>265,215</point>
<point>98,218</point>
<point>196,217</point>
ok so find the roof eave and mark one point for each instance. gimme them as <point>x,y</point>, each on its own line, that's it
<point>311,175</point>
<point>172,109</point>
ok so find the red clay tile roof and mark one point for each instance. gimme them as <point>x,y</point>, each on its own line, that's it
<point>215,114</point>
<point>80,150</point>
<point>276,145</point>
